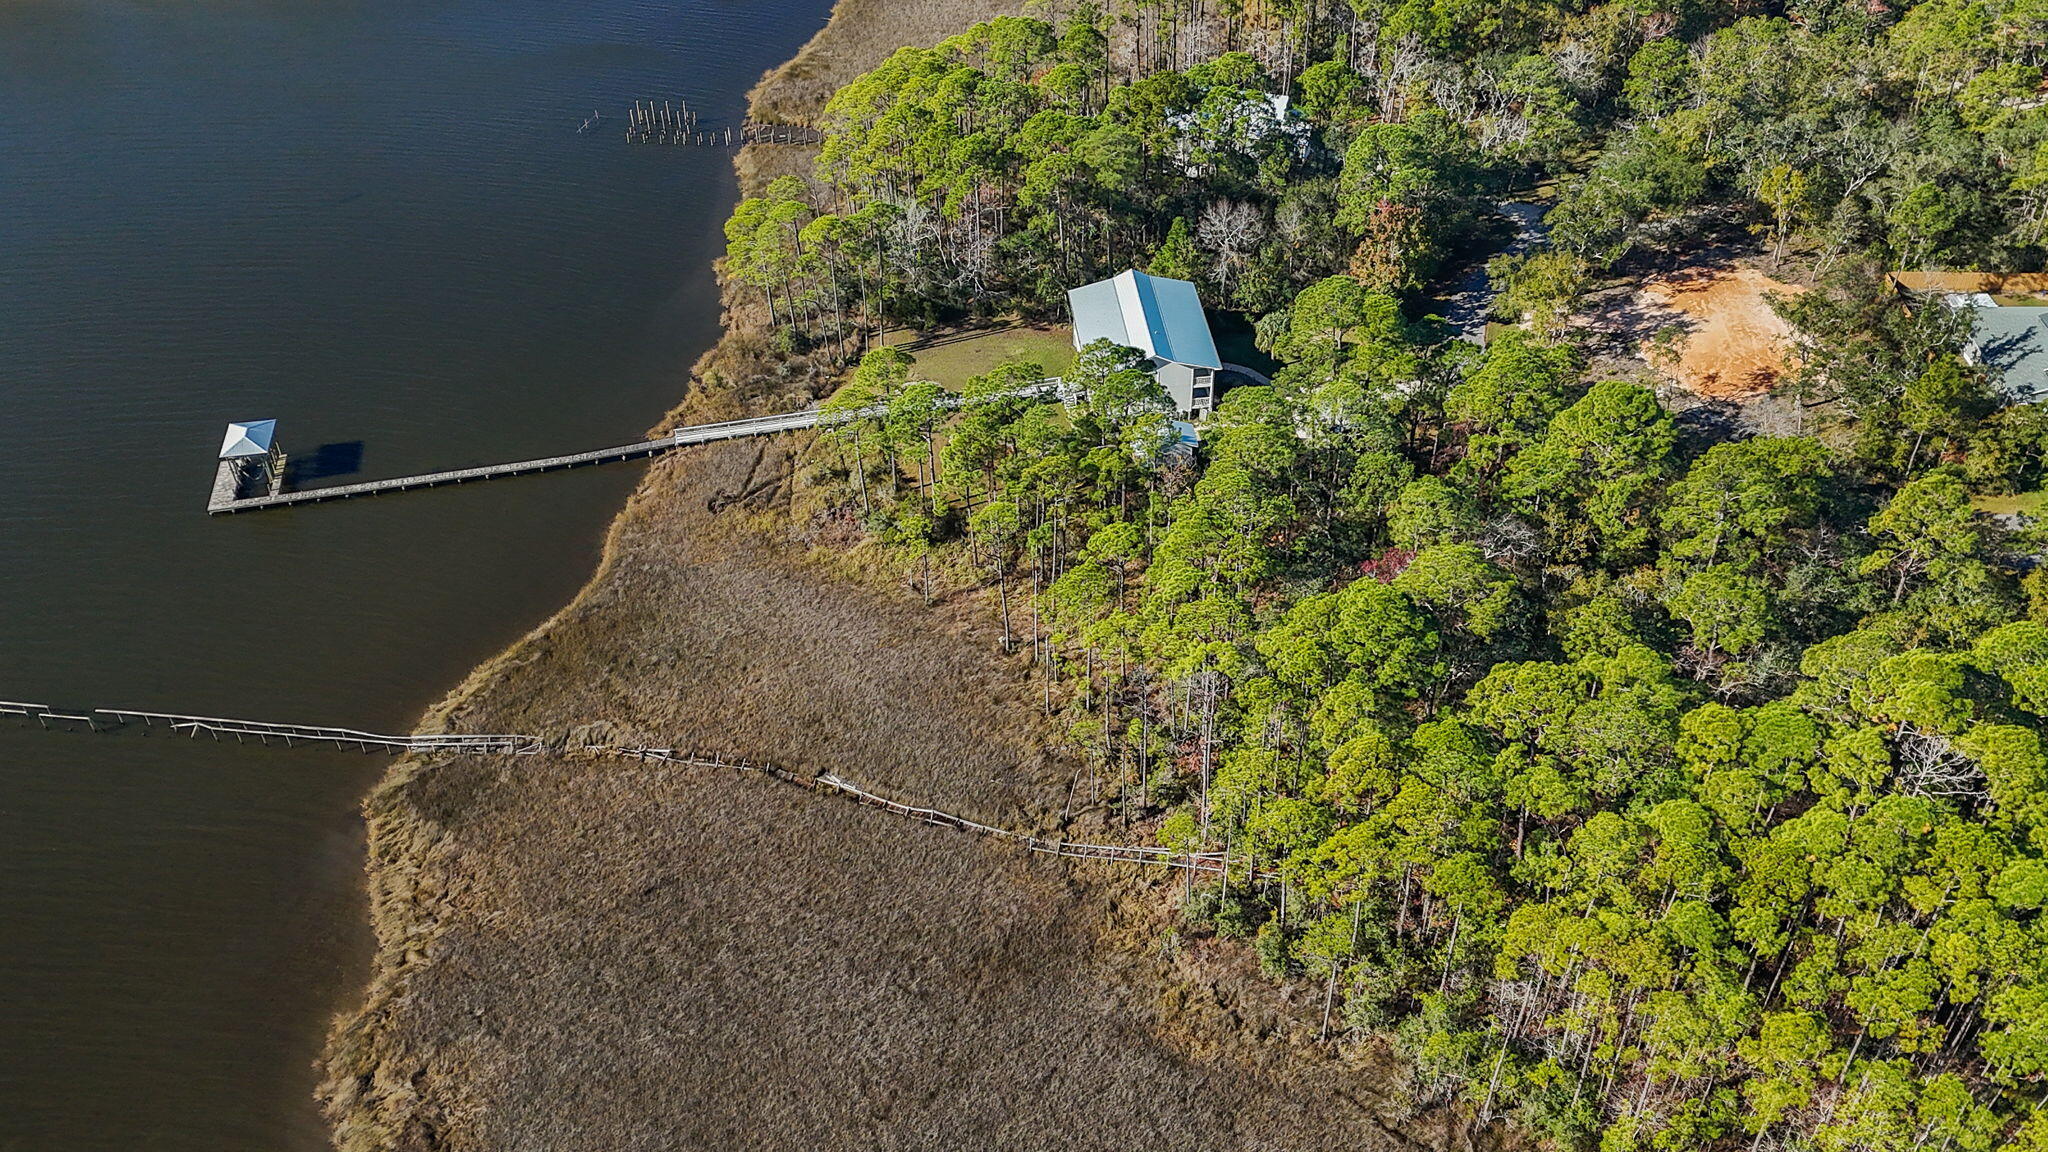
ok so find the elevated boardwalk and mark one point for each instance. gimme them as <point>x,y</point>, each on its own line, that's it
<point>226,481</point>
<point>264,731</point>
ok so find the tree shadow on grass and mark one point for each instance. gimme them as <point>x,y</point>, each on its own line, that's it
<point>944,337</point>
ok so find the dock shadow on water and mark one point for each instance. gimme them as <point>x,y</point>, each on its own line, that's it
<point>344,458</point>
<point>180,920</point>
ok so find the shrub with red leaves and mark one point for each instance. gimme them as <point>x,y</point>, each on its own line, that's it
<point>1387,565</point>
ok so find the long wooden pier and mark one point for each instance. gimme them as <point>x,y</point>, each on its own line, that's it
<point>265,731</point>
<point>230,477</point>
<point>111,720</point>
<point>227,482</point>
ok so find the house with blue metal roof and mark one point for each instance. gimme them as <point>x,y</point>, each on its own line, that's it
<point>1161,318</point>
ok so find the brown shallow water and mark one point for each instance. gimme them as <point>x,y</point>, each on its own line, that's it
<point>378,223</point>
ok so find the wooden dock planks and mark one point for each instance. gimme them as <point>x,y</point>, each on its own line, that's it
<point>113,720</point>
<point>223,498</point>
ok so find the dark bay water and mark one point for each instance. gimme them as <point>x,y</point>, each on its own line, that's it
<point>377,223</point>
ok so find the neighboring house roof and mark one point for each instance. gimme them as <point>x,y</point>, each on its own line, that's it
<point>1161,318</point>
<point>249,438</point>
<point>1996,283</point>
<point>2012,342</point>
<point>1179,443</point>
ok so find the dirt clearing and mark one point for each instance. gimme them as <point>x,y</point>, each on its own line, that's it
<point>1713,332</point>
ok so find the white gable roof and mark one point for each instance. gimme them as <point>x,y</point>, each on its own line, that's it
<point>249,438</point>
<point>1160,317</point>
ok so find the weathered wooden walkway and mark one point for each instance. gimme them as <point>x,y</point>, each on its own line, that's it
<point>264,731</point>
<point>108,720</point>
<point>225,498</point>
<point>831,784</point>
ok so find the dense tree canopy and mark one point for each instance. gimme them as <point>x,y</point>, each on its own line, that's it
<point>1553,769</point>
<point>1666,792</point>
<point>1001,167</point>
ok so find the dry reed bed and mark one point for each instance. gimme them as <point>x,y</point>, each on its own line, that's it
<point>860,35</point>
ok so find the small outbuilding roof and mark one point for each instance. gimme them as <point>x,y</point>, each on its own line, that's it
<point>1160,317</point>
<point>1991,283</point>
<point>248,438</point>
<point>2010,341</point>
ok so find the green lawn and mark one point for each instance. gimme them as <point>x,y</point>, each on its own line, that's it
<point>2025,503</point>
<point>950,356</point>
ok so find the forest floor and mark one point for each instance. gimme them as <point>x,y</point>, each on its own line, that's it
<point>578,954</point>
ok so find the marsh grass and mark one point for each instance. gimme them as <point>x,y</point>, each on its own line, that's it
<point>860,35</point>
<point>583,954</point>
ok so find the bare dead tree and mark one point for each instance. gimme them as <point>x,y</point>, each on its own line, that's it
<point>1929,765</point>
<point>1508,539</point>
<point>1233,229</point>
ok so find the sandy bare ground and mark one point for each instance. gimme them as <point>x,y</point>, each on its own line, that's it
<point>1729,344</point>
<point>2016,284</point>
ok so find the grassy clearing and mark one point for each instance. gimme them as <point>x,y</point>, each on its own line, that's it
<point>2019,504</point>
<point>952,356</point>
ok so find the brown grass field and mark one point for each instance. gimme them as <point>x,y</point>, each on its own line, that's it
<point>860,35</point>
<point>584,955</point>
